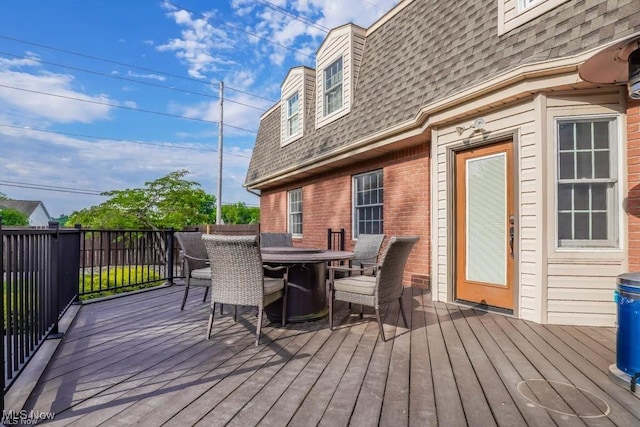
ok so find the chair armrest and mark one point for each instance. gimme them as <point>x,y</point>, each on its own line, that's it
<point>285,275</point>
<point>194,258</point>
<point>271,268</point>
<point>344,268</point>
<point>375,266</point>
<point>333,268</point>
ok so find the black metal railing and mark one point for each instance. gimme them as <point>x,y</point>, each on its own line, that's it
<point>114,261</point>
<point>39,283</point>
<point>45,270</point>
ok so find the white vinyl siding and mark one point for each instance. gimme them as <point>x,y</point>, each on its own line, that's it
<point>344,44</point>
<point>295,98</point>
<point>368,203</point>
<point>581,275</point>
<point>295,212</point>
<point>557,285</point>
<point>515,122</point>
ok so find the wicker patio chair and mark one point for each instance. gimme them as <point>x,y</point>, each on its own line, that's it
<point>238,276</point>
<point>194,258</point>
<point>373,291</point>
<point>365,253</point>
<point>270,240</point>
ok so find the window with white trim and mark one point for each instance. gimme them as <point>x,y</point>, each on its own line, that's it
<point>293,117</point>
<point>333,87</point>
<point>295,212</point>
<point>514,13</point>
<point>368,199</point>
<point>587,182</point>
<point>527,3</point>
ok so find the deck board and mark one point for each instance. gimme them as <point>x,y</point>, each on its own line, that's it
<point>139,359</point>
<point>422,405</point>
<point>497,398</point>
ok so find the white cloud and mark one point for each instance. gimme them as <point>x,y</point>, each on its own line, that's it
<point>242,7</point>
<point>108,165</point>
<point>242,79</point>
<point>304,34</point>
<point>6,63</point>
<point>199,40</point>
<point>29,95</point>
<point>147,76</point>
<point>236,112</point>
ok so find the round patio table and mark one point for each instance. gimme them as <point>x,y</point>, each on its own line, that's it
<point>307,294</point>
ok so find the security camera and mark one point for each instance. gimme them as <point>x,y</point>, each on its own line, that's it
<point>478,123</point>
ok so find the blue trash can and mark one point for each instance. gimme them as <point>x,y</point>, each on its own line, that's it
<point>628,342</point>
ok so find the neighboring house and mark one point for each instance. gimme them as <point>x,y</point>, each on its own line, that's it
<point>467,123</point>
<point>33,209</point>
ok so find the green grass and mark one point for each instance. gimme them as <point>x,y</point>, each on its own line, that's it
<point>118,280</point>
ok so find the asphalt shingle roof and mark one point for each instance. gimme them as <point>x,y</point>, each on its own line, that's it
<point>25,206</point>
<point>434,49</point>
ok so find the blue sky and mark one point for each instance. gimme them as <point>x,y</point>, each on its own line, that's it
<point>136,89</point>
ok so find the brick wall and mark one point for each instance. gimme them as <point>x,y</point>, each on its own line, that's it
<point>633,197</point>
<point>326,201</point>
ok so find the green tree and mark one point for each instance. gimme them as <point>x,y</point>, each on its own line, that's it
<point>3,196</point>
<point>62,219</point>
<point>169,201</point>
<point>240,213</point>
<point>13,217</point>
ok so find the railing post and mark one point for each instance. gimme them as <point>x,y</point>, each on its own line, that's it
<point>170,254</point>
<point>4,363</point>
<point>55,280</point>
<point>80,263</point>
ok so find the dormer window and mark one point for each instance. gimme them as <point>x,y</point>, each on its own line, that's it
<point>296,92</point>
<point>338,63</point>
<point>514,13</point>
<point>526,3</point>
<point>333,87</point>
<point>293,115</point>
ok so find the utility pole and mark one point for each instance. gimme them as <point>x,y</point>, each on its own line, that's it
<point>219,197</point>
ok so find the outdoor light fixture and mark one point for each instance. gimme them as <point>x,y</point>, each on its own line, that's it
<point>617,64</point>
<point>634,75</point>
<point>477,126</point>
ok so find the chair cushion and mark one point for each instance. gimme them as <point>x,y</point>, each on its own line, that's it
<point>201,273</point>
<point>363,285</point>
<point>272,285</point>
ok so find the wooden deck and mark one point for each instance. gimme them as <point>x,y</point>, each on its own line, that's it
<point>139,359</point>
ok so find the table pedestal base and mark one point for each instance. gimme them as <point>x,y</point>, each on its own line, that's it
<point>307,298</point>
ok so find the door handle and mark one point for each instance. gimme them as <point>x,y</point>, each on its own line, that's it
<point>512,234</point>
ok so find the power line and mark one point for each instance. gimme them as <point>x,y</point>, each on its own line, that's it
<point>106,103</point>
<point>49,188</point>
<point>123,107</point>
<point>130,80</point>
<point>291,15</point>
<point>208,18</point>
<point>123,64</point>
<point>45,187</point>
<point>181,147</point>
<point>375,5</point>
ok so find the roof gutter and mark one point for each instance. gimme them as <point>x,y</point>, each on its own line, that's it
<point>251,191</point>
